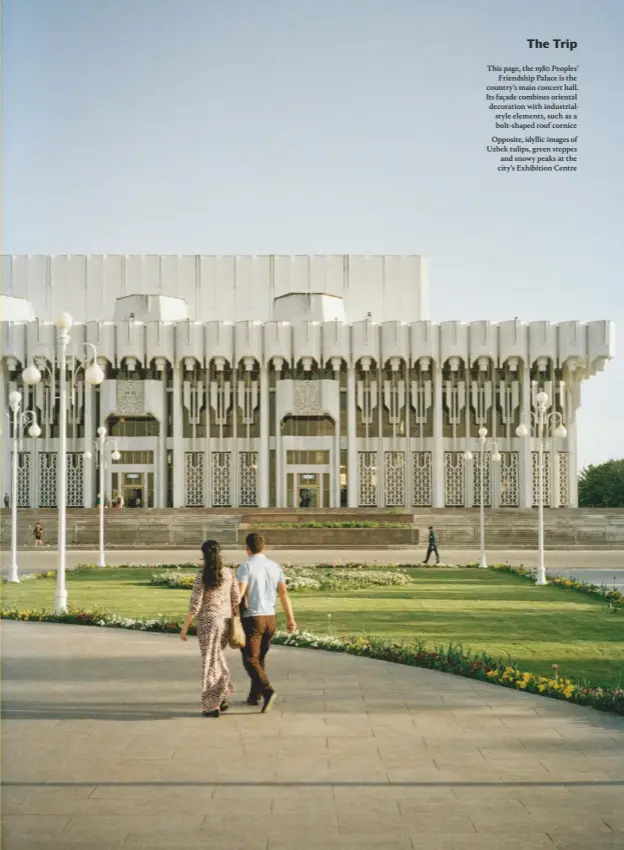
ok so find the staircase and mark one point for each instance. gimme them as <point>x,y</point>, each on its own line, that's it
<point>187,528</point>
<point>513,528</point>
<point>126,528</point>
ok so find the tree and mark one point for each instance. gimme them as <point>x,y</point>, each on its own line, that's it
<point>602,486</point>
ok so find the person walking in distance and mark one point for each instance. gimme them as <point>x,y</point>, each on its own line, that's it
<point>38,533</point>
<point>7,501</point>
<point>432,546</point>
<point>260,581</point>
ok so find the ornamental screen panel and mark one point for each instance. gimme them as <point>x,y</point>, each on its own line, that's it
<point>47,480</point>
<point>394,470</point>
<point>510,487</point>
<point>454,480</point>
<point>367,479</point>
<point>477,471</point>
<point>23,479</point>
<point>423,490</point>
<point>221,465</point>
<point>564,479</point>
<point>75,494</point>
<point>248,465</point>
<point>545,479</point>
<point>194,479</point>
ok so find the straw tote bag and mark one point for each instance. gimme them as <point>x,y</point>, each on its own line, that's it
<point>237,633</point>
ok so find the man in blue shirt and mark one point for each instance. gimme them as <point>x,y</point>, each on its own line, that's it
<point>261,581</point>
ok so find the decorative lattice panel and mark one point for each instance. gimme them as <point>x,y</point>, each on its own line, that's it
<point>454,479</point>
<point>477,471</point>
<point>23,479</point>
<point>47,480</point>
<point>75,493</point>
<point>248,479</point>
<point>545,479</point>
<point>509,487</point>
<point>221,466</point>
<point>423,495</point>
<point>394,471</point>
<point>564,479</point>
<point>194,479</point>
<point>367,465</point>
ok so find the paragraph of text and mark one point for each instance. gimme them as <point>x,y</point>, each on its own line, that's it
<point>535,117</point>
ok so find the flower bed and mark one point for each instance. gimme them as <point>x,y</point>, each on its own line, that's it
<point>305,578</point>
<point>453,659</point>
<point>346,524</point>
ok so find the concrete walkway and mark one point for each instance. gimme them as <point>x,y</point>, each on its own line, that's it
<point>46,558</point>
<point>103,748</point>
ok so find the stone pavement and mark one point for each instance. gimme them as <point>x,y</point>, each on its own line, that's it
<point>103,747</point>
<point>32,559</point>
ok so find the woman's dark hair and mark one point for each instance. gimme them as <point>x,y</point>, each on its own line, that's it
<point>213,565</point>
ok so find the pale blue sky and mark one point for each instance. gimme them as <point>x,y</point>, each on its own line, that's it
<point>321,126</point>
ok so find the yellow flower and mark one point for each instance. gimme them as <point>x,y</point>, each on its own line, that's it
<point>522,684</point>
<point>491,674</point>
<point>526,677</point>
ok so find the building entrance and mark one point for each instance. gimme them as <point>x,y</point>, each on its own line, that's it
<point>133,489</point>
<point>308,489</point>
<point>136,487</point>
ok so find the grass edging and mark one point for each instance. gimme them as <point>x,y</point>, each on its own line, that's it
<point>454,659</point>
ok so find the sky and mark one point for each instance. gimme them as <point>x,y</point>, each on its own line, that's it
<point>322,126</point>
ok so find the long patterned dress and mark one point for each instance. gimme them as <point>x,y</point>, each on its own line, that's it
<point>213,609</point>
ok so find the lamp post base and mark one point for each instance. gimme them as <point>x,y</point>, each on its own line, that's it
<point>541,580</point>
<point>482,563</point>
<point>13,575</point>
<point>101,561</point>
<point>60,602</point>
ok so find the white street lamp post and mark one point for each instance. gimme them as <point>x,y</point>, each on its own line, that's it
<point>468,456</point>
<point>100,458</point>
<point>19,422</point>
<point>93,375</point>
<point>543,421</point>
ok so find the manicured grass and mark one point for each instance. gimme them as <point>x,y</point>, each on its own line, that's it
<point>498,613</point>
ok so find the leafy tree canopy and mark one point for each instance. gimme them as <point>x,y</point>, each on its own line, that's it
<point>602,486</point>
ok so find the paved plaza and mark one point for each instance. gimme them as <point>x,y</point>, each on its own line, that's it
<point>603,567</point>
<point>103,747</point>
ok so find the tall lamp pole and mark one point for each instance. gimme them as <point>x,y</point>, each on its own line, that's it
<point>543,422</point>
<point>94,376</point>
<point>19,421</point>
<point>484,443</point>
<point>99,448</point>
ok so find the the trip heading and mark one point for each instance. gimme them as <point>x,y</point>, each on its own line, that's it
<point>558,42</point>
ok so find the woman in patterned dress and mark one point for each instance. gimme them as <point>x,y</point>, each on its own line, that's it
<point>215,593</point>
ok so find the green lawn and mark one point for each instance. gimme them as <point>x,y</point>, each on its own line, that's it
<point>496,612</point>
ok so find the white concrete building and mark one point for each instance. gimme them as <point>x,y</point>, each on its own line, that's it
<point>284,381</point>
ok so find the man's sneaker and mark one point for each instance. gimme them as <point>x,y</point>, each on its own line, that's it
<point>224,705</point>
<point>269,698</point>
<point>253,701</point>
<point>211,713</point>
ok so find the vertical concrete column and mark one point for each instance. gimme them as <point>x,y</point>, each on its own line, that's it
<point>178,440</point>
<point>5,468</point>
<point>352,469</point>
<point>409,466</point>
<point>526,467</point>
<point>263,455</point>
<point>438,442</point>
<point>381,459</point>
<point>335,489</point>
<point>88,465</point>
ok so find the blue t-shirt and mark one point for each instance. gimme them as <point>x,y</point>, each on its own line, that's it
<point>262,576</point>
